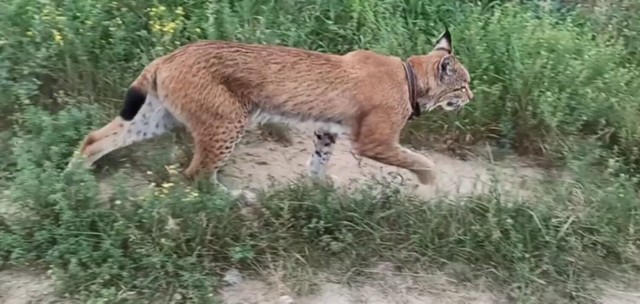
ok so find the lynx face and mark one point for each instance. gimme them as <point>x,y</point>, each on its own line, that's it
<point>452,90</point>
<point>449,80</point>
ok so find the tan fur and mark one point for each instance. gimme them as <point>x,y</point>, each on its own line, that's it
<point>217,88</point>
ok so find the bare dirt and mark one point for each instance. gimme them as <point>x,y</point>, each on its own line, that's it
<point>257,163</point>
<point>26,287</point>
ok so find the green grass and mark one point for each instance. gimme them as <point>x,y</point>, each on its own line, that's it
<point>555,81</point>
<point>176,239</point>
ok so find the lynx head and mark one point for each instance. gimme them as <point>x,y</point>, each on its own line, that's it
<point>447,80</point>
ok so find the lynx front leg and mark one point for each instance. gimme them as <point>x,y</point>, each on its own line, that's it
<point>396,155</point>
<point>377,140</point>
<point>324,142</point>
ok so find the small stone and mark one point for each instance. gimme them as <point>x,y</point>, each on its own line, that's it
<point>233,277</point>
<point>384,267</point>
<point>286,300</point>
<point>177,297</point>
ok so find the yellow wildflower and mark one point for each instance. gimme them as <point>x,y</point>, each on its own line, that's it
<point>57,37</point>
<point>155,27</point>
<point>172,169</point>
<point>170,27</point>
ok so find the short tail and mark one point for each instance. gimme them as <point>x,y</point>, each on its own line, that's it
<point>137,93</point>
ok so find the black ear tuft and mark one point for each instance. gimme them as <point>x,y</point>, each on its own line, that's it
<point>444,42</point>
<point>447,35</point>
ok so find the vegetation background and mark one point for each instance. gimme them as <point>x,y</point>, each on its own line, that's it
<point>557,79</point>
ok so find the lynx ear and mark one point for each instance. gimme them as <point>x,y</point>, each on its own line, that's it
<point>446,66</point>
<point>444,42</point>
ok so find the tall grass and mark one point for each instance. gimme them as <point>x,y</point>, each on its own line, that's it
<point>174,239</point>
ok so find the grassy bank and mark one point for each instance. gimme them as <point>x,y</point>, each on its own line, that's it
<point>176,239</point>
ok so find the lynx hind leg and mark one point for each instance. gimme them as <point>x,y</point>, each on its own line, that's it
<point>152,120</point>
<point>324,143</point>
<point>214,141</point>
<point>215,135</point>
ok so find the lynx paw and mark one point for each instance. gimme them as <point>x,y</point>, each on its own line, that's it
<point>246,197</point>
<point>328,180</point>
<point>426,177</point>
<point>77,161</point>
<point>286,300</point>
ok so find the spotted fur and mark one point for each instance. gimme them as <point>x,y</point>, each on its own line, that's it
<point>216,89</point>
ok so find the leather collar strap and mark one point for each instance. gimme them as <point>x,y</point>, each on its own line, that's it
<point>411,82</point>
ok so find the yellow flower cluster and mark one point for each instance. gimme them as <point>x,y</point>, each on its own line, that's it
<point>160,21</point>
<point>56,20</point>
<point>163,190</point>
<point>166,187</point>
<point>191,195</point>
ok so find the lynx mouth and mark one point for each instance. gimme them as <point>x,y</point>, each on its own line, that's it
<point>453,104</point>
<point>447,106</point>
<point>430,105</point>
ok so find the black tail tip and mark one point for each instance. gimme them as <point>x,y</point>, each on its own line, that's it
<point>133,101</point>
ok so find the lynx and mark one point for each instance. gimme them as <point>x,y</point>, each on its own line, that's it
<point>216,89</point>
